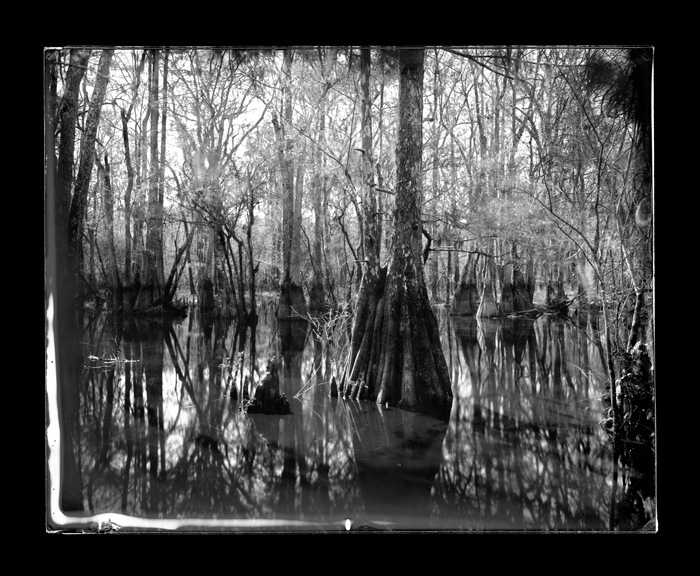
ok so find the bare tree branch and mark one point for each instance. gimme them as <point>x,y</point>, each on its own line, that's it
<point>475,60</point>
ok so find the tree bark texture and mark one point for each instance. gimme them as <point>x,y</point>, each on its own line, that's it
<point>488,306</point>
<point>516,293</point>
<point>522,300</point>
<point>127,203</point>
<point>435,171</point>
<point>252,316</point>
<point>483,138</point>
<point>371,285</point>
<point>317,291</point>
<point>317,299</point>
<point>292,302</point>
<point>59,268</point>
<point>466,297</point>
<point>125,116</point>
<point>152,279</point>
<point>404,365</point>
<point>160,167</point>
<point>67,118</point>
<point>87,160</point>
<point>507,305</point>
<point>112,265</point>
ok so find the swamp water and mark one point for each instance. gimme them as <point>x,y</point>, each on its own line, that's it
<point>159,443</point>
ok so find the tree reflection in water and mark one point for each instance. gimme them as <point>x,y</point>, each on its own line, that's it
<point>163,433</point>
<point>523,448</point>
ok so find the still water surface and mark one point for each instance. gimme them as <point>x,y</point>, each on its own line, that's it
<point>160,434</point>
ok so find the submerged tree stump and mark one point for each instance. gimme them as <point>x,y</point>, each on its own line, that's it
<point>267,398</point>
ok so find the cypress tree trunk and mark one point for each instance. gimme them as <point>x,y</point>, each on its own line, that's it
<point>317,292</point>
<point>507,298</point>
<point>466,298</point>
<point>152,280</point>
<point>292,302</point>
<point>435,168</point>
<point>60,265</point>
<point>317,299</point>
<point>531,274</point>
<point>252,315</point>
<point>87,161</point>
<point>481,183</point>
<point>522,300</point>
<point>112,266</point>
<point>372,283</point>
<point>406,366</point>
<point>297,299</point>
<point>68,113</point>
<point>128,287</point>
<point>161,162</point>
<point>139,208</point>
<point>127,215</point>
<point>488,306</point>
<point>521,295</point>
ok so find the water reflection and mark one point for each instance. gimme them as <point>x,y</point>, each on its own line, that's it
<point>162,432</point>
<point>524,449</point>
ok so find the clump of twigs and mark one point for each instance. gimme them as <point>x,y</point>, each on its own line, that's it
<point>332,329</point>
<point>329,325</point>
<point>558,307</point>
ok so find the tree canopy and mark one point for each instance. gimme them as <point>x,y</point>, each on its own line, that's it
<point>227,177</point>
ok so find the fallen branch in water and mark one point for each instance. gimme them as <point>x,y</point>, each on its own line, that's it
<point>106,361</point>
<point>531,313</point>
